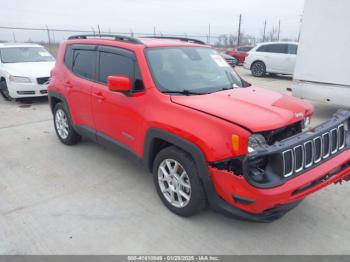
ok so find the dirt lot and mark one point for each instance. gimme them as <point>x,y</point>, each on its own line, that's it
<point>86,199</point>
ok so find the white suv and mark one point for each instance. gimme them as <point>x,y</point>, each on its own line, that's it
<point>273,58</point>
<point>24,70</point>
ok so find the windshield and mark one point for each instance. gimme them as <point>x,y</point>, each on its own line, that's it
<point>191,69</point>
<point>25,54</point>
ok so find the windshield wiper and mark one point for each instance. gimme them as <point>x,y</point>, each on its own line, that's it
<point>183,92</point>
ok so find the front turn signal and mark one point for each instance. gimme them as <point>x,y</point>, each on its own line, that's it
<point>235,143</point>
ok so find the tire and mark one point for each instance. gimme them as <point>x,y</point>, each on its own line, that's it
<point>258,69</point>
<point>4,90</point>
<point>63,126</point>
<point>189,183</point>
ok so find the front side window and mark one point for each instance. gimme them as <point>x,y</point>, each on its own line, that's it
<point>274,48</point>
<point>245,48</point>
<point>114,64</point>
<point>25,55</point>
<point>263,48</point>
<point>193,69</point>
<point>84,63</point>
<point>279,48</point>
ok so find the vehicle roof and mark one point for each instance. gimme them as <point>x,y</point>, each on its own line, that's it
<point>147,42</point>
<point>277,42</point>
<point>8,45</point>
<point>156,42</point>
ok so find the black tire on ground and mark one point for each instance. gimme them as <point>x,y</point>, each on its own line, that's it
<point>71,137</point>
<point>258,69</point>
<point>4,90</point>
<point>197,200</point>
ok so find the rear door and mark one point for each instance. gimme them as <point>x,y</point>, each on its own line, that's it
<point>81,62</point>
<point>118,116</point>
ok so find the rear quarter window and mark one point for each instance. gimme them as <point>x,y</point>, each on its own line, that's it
<point>292,49</point>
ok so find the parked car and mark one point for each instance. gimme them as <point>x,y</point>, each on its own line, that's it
<point>273,57</point>
<point>240,53</point>
<point>207,136</point>
<point>229,59</point>
<point>24,70</point>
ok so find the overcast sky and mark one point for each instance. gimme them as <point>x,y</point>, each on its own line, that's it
<point>168,16</point>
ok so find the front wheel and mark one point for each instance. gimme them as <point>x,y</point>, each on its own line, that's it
<point>177,182</point>
<point>4,90</point>
<point>258,69</point>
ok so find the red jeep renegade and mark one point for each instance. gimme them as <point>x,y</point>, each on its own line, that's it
<point>208,137</point>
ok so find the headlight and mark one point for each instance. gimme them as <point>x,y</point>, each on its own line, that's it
<point>306,122</point>
<point>255,141</point>
<point>20,79</point>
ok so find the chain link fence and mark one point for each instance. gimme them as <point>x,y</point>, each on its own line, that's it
<point>51,37</point>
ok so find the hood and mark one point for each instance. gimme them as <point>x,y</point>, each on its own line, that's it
<point>254,108</point>
<point>31,69</point>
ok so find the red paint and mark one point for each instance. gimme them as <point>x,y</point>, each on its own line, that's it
<point>239,55</point>
<point>119,83</point>
<point>227,184</point>
<point>208,121</point>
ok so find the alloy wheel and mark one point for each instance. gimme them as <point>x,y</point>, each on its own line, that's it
<point>61,122</point>
<point>174,183</point>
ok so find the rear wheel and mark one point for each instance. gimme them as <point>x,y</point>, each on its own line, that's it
<point>63,126</point>
<point>177,182</point>
<point>258,69</point>
<point>4,90</point>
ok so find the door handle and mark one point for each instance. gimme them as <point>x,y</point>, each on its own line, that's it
<point>68,84</point>
<point>99,96</point>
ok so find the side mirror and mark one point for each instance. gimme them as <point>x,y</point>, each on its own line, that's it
<point>119,83</point>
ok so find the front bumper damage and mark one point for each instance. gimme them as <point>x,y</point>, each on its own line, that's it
<point>245,198</point>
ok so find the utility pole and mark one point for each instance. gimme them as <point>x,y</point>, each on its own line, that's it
<point>279,30</point>
<point>209,35</point>
<point>14,37</point>
<point>239,30</point>
<point>48,37</point>
<point>264,31</point>
<point>99,30</point>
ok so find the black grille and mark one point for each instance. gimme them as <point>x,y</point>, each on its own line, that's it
<point>43,91</point>
<point>43,80</point>
<point>313,151</point>
<point>26,92</point>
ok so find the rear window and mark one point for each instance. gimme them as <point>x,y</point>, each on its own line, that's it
<point>274,48</point>
<point>83,63</point>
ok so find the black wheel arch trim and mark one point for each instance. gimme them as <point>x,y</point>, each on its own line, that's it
<point>53,94</point>
<point>216,203</point>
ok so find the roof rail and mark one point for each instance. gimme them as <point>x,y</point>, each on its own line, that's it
<point>114,37</point>
<point>184,39</point>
